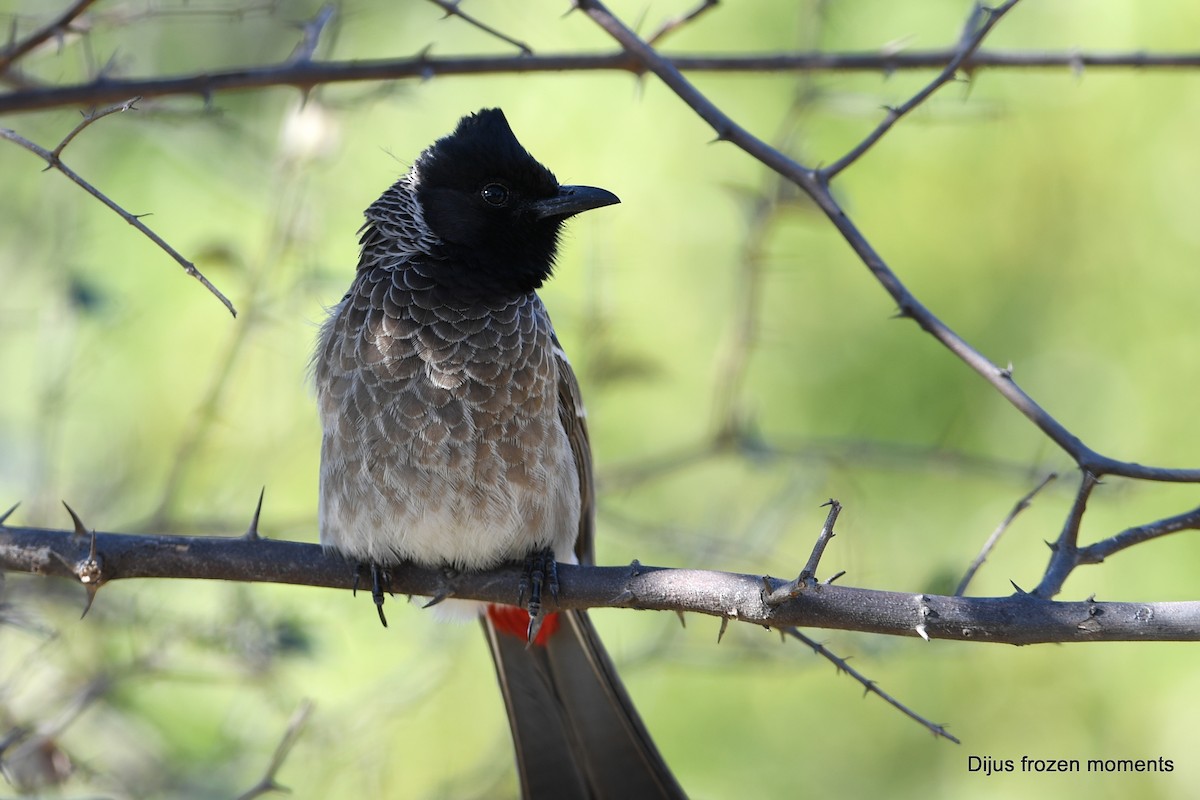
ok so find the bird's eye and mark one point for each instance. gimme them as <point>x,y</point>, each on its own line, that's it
<point>495,194</point>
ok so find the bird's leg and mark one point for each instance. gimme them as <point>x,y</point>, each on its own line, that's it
<point>381,581</point>
<point>541,570</point>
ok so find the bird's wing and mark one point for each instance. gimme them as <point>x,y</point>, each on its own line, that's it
<point>574,421</point>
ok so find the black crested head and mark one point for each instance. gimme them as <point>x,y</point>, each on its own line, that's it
<point>496,211</point>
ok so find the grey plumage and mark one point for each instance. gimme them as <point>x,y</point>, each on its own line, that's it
<point>443,441</point>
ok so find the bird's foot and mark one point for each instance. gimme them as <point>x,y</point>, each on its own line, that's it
<point>541,572</point>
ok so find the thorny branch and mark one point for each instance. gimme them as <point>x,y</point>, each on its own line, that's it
<point>1020,619</point>
<point>979,24</point>
<point>869,686</point>
<point>1096,553</point>
<point>306,75</point>
<point>55,27</point>
<point>54,161</point>
<point>452,9</point>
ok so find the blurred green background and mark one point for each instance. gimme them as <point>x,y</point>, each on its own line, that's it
<point>1049,217</point>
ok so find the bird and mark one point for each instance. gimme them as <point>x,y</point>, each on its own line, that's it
<point>455,437</point>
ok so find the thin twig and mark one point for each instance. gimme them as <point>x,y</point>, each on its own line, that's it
<point>295,725</point>
<point>974,33</point>
<point>54,27</point>
<point>814,558</point>
<point>868,685</point>
<point>775,596</point>
<point>53,161</point>
<point>675,23</point>
<point>1069,538</point>
<point>1097,552</point>
<point>89,118</point>
<point>986,550</point>
<point>1064,552</point>
<point>452,10</point>
<point>311,36</point>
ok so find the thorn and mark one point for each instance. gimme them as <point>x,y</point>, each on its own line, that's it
<point>90,570</point>
<point>437,598</point>
<point>829,581</point>
<point>682,619</point>
<point>920,629</point>
<point>724,627</point>
<point>252,532</point>
<point>80,529</point>
<point>4,517</point>
<point>92,590</point>
<point>1018,588</point>
<point>1091,598</point>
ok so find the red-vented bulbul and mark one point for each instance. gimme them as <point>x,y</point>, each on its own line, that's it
<point>454,437</point>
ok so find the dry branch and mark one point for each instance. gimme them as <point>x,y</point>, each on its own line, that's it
<point>423,66</point>
<point>1021,619</point>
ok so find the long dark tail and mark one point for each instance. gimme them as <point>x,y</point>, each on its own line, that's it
<point>576,732</point>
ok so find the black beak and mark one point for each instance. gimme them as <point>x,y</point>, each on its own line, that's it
<point>571,200</point>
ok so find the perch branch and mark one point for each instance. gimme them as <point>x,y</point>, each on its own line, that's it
<point>1021,619</point>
